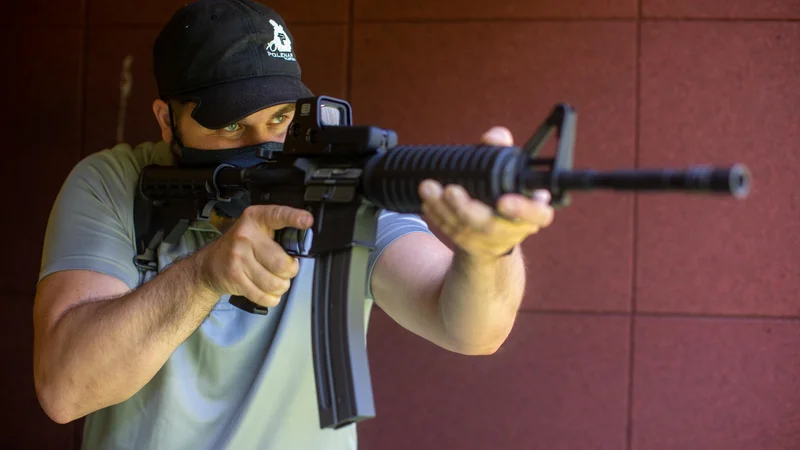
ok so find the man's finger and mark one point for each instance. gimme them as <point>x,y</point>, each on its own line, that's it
<point>469,212</point>
<point>265,278</point>
<point>514,206</point>
<point>275,217</point>
<point>500,136</point>
<point>436,208</point>
<point>274,258</point>
<point>542,196</point>
<point>253,293</point>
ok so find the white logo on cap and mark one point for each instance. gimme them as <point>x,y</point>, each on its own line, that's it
<point>281,45</point>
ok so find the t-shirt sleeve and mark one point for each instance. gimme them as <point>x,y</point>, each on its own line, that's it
<point>392,225</point>
<point>90,225</point>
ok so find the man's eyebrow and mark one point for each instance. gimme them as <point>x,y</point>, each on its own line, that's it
<point>284,110</point>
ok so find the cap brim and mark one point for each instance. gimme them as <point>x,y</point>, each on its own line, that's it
<point>221,105</point>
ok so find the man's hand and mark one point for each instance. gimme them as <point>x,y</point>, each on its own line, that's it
<point>473,225</point>
<point>247,261</point>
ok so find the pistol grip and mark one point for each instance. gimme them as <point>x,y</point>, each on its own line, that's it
<point>246,305</point>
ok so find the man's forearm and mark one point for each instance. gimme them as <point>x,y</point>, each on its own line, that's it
<point>100,353</point>
<point>480,299</point>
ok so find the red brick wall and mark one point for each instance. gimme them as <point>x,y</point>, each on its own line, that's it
<point>651,322</point>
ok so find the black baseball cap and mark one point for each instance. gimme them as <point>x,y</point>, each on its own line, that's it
<point>231,57</point>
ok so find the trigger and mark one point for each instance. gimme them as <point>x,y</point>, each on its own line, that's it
<point>287,238</point>
<point>301,242</point>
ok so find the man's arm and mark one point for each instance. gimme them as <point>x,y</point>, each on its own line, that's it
<point>99,335</point>
<point>96,343</point>
<point>460,303</point>
<point>92,351</point>
<point>465,301</point>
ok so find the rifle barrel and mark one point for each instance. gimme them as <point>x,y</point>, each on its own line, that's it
<point>734,180</point>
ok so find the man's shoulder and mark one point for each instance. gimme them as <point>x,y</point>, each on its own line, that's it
<point>124,157</point>
<point>120,164</point>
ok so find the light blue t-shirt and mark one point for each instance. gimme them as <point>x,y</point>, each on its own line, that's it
<point>240,381</point>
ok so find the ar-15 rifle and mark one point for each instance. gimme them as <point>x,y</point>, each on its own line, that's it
<point>345,175</point>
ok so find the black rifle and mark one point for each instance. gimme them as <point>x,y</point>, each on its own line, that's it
<point>345,175</point>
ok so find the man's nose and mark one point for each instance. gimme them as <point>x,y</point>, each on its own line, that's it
<point>259,135</point>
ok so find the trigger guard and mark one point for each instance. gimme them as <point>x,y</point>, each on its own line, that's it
<point>295,242</point>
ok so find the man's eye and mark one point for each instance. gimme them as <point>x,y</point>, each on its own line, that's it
<point>232,128</point>
<point>280,119</point>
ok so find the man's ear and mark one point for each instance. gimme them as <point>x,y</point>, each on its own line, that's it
<point>161,111</point>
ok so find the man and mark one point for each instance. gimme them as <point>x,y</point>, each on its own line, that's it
<point>163,361</point>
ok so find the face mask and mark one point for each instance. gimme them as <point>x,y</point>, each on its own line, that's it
<point>243,157</point>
